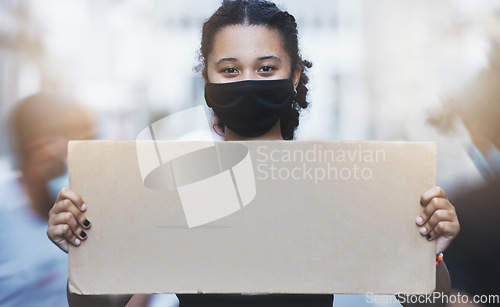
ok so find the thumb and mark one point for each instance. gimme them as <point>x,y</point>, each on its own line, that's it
<point>62,244</point>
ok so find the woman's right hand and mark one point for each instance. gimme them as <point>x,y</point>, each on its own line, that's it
<point>67,221</point>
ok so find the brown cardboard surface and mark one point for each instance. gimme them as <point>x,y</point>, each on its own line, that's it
<point>252,217</point>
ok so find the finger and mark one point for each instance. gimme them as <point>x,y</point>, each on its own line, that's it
<point>67,205</point>
<point>67,193</point>
<point>437,216</point>
<point>449,229</point>
<point>68,219</point>
<point>61,234</point>
<point>63,231</point>
<point>428,195</point>
<point>57,239</point>
<point>435,204</point>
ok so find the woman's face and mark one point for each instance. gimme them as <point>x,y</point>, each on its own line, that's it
<point>243,52</point>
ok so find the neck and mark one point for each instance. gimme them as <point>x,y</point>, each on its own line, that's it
<point>272,135</point>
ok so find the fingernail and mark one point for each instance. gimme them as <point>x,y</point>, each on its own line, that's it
<point>83,207</point>
<point>419,220</point>
<point>423,230</point>
<point>77,241</point>
<point>429,236</point>
<point>83,234</point>
<point>86,223</point>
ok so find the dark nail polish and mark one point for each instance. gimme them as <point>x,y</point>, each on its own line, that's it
<point>429,236</point>
<point>86,223</point>
<point>83,234</point>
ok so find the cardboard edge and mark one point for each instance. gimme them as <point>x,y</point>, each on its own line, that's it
<point>433,150</point>
<point>74,288</point>
<point>71,145</point>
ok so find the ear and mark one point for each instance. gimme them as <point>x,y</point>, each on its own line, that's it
<point>296,77</point>
<point>216,126</point>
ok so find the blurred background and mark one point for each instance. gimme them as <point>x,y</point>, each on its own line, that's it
<point>381,69</point>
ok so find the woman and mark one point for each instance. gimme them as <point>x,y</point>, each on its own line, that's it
<point>256,85</point>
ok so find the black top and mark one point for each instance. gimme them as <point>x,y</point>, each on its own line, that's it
<point>472,258</point>
<point>239,300</point>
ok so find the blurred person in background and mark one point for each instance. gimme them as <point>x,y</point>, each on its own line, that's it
<point>35,273</point>
<point>474,258</point>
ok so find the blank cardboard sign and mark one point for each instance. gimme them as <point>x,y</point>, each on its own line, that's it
<point>252,217</point>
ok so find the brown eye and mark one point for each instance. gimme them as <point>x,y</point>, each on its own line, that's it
<point>230,70</point>
<point>266,69</point>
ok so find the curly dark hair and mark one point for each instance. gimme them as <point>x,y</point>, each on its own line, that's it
<point>265,13</point>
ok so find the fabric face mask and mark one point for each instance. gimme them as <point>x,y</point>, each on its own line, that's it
<point>252,107</point>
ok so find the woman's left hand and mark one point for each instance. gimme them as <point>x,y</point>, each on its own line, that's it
<point>438,221</point>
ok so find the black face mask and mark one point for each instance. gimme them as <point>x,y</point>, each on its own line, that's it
<point>250,108</point>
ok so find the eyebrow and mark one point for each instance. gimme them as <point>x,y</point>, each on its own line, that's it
<point>269,57</point>
<point>223,60</point>
<point>263,58</point>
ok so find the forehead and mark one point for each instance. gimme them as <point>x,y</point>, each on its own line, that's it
<point>247,42</point>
